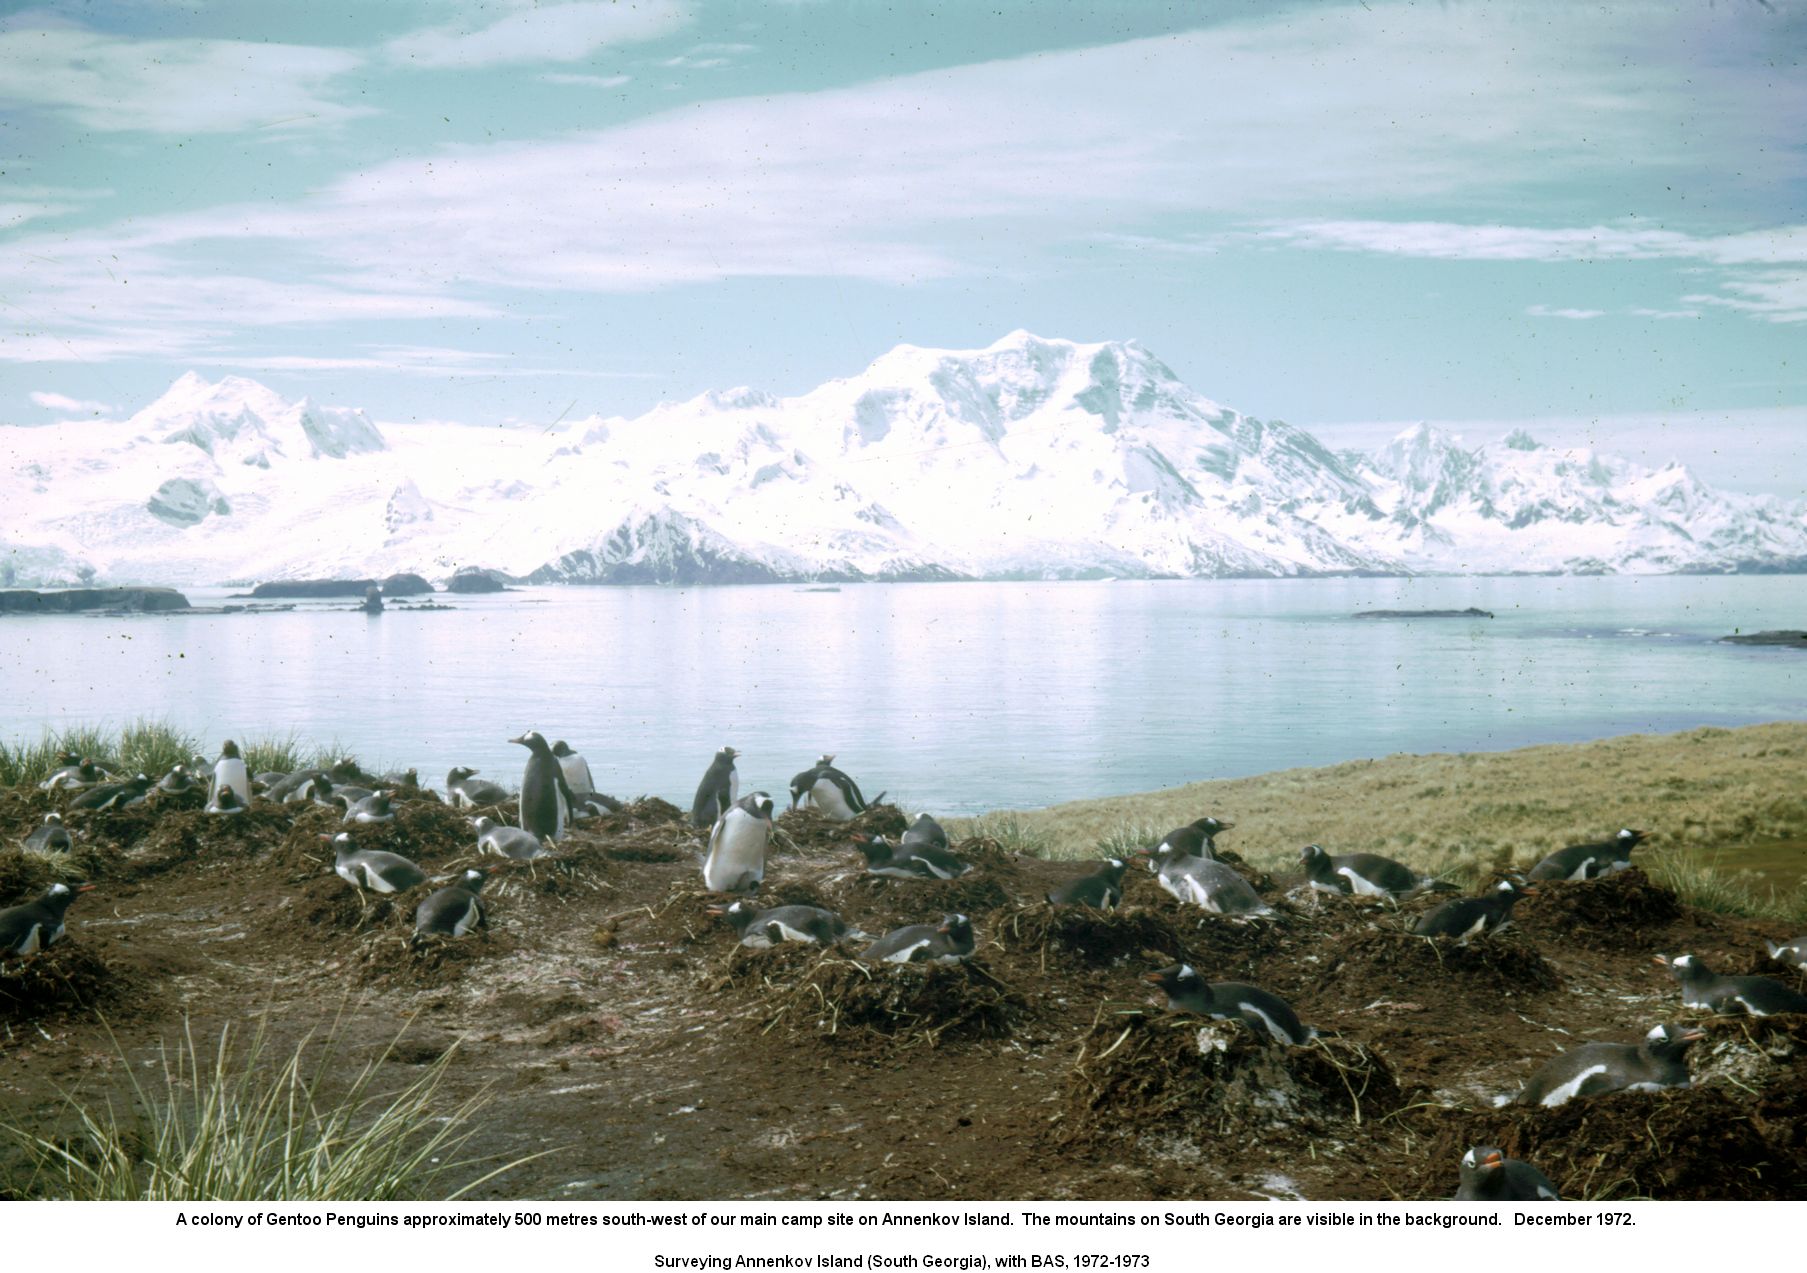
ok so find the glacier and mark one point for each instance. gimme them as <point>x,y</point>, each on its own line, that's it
<point>1032,458</point>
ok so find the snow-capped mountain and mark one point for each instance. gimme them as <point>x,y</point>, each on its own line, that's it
<point>1031,458</point>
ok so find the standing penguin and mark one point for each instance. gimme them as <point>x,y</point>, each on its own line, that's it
<point>1659,1060</point>
<point>27,929</point>
<point>454,910</point>
<point>1704,988</point>
<point>1489,1176</point>
<point>1102,888</point>
<point>736,861</point>
<point>1590,861</point>
<point>829,790</point>
<point>576,769</point>
<point>545,796</point>
<point>719,789</point>
<point>1231,1001</point>
<point>49,837</point>
<point>1465,917</point>
<point>230,771</point>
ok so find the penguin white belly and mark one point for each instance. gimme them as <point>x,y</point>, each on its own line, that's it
<point>828,798</point>
<point>352,875</point>
<point>577,775</point>
<point>1178,886</point>
<point>32,944</point>
<point>736,852</point>
<point>791,934</point>
<point>1476,929</point>
<point>1615,866</point>
<point>471,914</point>
<point>905,955</point>
<point>1748,1006</point>
<point>1321,887</point>
<point>460,800</point>
<point>375,882</point>
<point>1560,1095</point>
<point>1361,887</point>
<point>1584,871</point>
<point>1273,1027</point>
<point>1199,895</point>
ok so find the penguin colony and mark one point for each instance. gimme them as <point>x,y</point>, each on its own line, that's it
<point>557,789</point>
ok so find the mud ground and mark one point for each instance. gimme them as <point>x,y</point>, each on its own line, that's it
<point>612,1021</point>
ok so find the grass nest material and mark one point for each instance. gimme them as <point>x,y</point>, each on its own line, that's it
<point>70,976</point>
<point>396,957</point>
<point>1092,937</point>
<point>814,833</point>
<point>1616,912</point>
<point>1139,1074</point>
<point>425,832</point>
<point>1389,959</point>
<point>974,893</point>
<point>181,838</point>
<point>802,989</point>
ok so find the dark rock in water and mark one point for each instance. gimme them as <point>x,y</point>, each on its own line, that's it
<point>406,585</point>
<point>1790,638</point>
<point>72,600</point>
<point>315,588</point>
<point>1470,613</point>
<point>475,579</point>
<point>373,601</point>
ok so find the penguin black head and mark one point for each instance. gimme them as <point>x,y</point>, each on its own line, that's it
<point>229,750</point>
<point>957,928</point>
<point>1482,1159</point>
<point>53,819</point>
<point>1672,1040</point>
<point>1312,854</point>
<point>1174,980</point>
<point>65,759</point>
<point>1683,966</point>
<point>483,826</point>
<point>472,879</point>
<point>762,805</point>
<point>726,753</point>
<point>62,894</point>
<point>561,749</point>
<point>1212,827</point>
<point>876,848</point>
<point>1515,886</point>
<point>1628,839</point>
<point>738,914</point>
<point>533,741</point>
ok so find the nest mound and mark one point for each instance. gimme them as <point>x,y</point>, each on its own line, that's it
<point>815,833</point>
<point>390,958</point>
<point>648,830</point>
<point>180,838</point>
<point>24,876</point>
<point>1751,1052</point>
<point>329,908</point>
<point>802,989</point>
<point>1092,937</point>
<point>1615,912</point>
<point>66,978</point>
<point>426,832</point>
<point>1385,961</point>
<point>1683,1143</point>
<point>1175,1074</point>
<point>974,893</point>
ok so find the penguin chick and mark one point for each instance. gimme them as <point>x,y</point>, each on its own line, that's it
<point>225,801</point>
<point>948,942</point>
<point>1758,996</point>
<point>27,929</point>
<point>1466,917</point>
<point>1101,888</point>
<point>1658,1060</point>
<point>1590,861</point>
<point>1489,1176</point>
<point>1262,1012</point>
<point>467,791</point>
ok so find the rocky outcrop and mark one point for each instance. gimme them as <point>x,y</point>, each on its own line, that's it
<point>76,600</point>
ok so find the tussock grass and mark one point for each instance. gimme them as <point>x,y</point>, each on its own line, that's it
<point>153,747</point>
<point>234,1123</point>
<point>1126,838</point>
<point>149,747</point>
<point>1014,833</point>
<point>1705,882</point>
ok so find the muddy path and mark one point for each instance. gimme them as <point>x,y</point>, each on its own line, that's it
<point>613,1022</point>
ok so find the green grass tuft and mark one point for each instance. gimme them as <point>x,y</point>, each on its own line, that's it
<point>1011,831</point>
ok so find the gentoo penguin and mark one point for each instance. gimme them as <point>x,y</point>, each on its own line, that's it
<point>293,788</point>
<point>1465,917</point>
<point>344,795</point>
<point>1231,1001</point>
<point>229,771</point>
<point>49,837</point>
<point>545,796</point>
<point>225,801</point>
<point>467,791</point>
<point>113,795</point>
<point>374,807</point>
<point>455,909</point>
<point>719,789</point>
<point>948,942</point>
<point>923,833</point>
<point>408,780</point>
<point>829,791</point>
<point>373,869</point>
<point>1204,882</point>
<point>1758,996</point>
<point>1196,839</point>
<point>577,770</point>
<point>1793,953</point>
<point>74,776</point>
<point>316,790</point>
<point>736,861</point>
<point>1657,1061</point>
<point>27,929</point>
<point>1489,1176</point>
<point>1590,861</point>
<point>1363,875</point>
<point>508,842</point>
<point>1102,888</point>
<point>760,929</point>
<point>921,861</point>
<point>177,782</point>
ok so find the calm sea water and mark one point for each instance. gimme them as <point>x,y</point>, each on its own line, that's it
<point>955,697</point>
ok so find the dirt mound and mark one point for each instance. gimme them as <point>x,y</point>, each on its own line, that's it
<point>1617,912</point>
<point>396,958</point>
<point>648,830</point>
<point>1093,937</point>
<point>426,832</point>
<point>70,976</point>
<point>1386,962</point>
<point>975,893</point>
<point>812,832</point>
<point>801,989</point>
<point>329,908</point>
<point>1139,1074</point>
<point>184,838</point>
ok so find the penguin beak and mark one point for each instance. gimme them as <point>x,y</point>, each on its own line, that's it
<point>1152,978</point>
<point>1661,961</point>
<point>1491,1161</point>
<point>522,740</point>
<point>84,888</point>
<point>1694,1036</point>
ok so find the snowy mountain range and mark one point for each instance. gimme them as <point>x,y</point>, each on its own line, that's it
<point>1032,458</point>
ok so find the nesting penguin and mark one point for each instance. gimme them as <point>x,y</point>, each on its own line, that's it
<point>1758,996</point>
<point>1196,839</point>
<point>761,928</point>
<point>508,842</point>
<point>923,833</point>
<point>1204,882</point>
<point>1363,875</point>
<point>1261,1011</point>
<point>921,861</point>
<point>225,801</point>
<point>1489,1176</point>
<point>374,807</point>
<point>293,788</point>
<point>829,791</point>
<point>113,795</point>
<point>467,791</point>
<point>230,771</point>
<point>576,770</point>
<point>718,790</point>
<point>1656,1061</point>
<point>1101,888</point>
<point>27,929</point>
<point>1793,953</point>
<point>545,796</point>
<point>736,861</point>
<point>74,774</point>
<point>1467,917</point>
<point>948,942</point>
<point>49,836</point>
<point>454,910</point>
<point>177,782</point>
<point>1590,861</point>
<point>373,869</point>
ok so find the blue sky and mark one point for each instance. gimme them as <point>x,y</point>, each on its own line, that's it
<point>1349,216</point>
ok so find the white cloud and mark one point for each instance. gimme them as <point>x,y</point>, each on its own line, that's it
<point>1665,314</point>
<point>72,406</point>
<point>1778,297</point>
<point>1547,311</point>
<point>16,214</point>
<point>586,81</point>
<point>113,84</point>
<point>566,32</point>
<point>705,57</point>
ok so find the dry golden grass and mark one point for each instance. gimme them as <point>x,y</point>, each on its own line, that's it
<point>1704,792</point>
